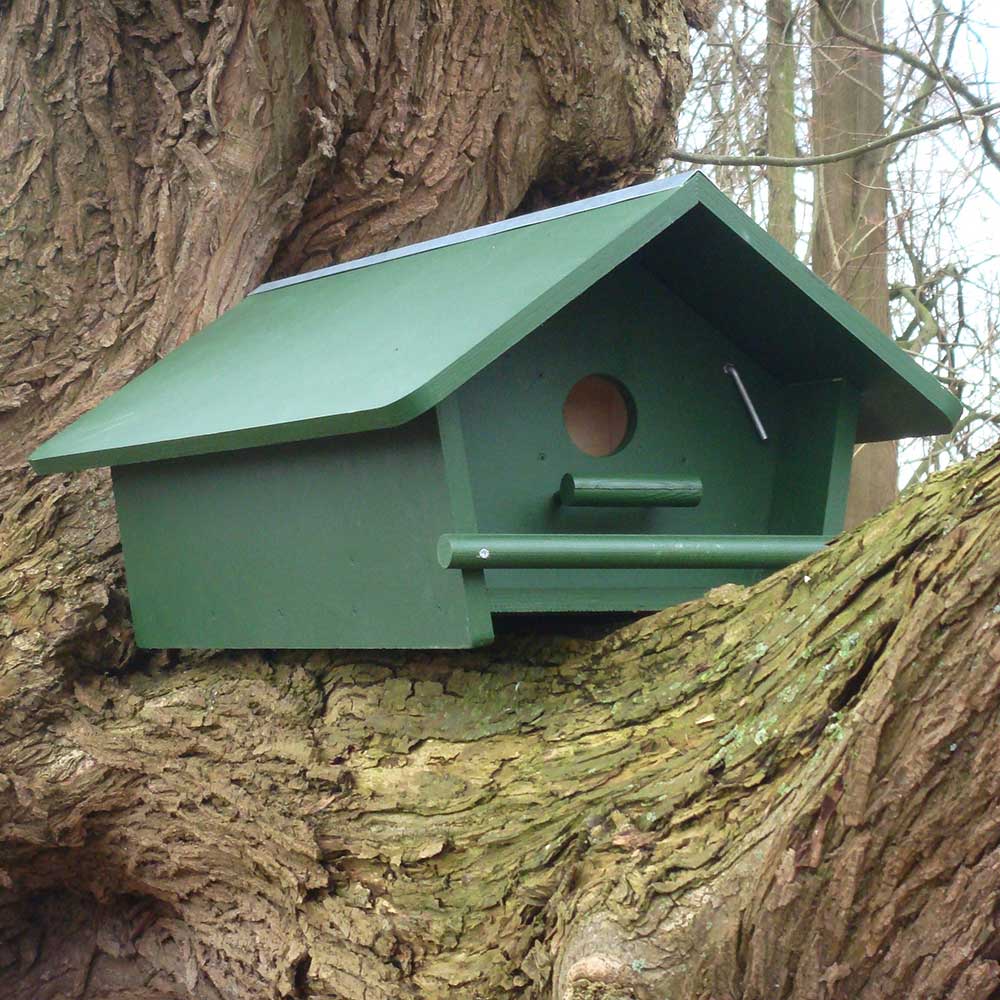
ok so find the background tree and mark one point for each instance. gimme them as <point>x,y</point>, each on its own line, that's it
<point>780,112</point>
<point>784,791</point>
<point>941,210</point>
<point>850,204</point>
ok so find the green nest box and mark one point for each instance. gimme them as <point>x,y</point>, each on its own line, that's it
<point>612,405</point>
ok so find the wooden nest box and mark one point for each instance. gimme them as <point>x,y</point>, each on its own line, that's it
<point>612,405</point>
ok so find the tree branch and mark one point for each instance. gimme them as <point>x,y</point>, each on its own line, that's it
<point>845,154</point>
<point>952,82</point>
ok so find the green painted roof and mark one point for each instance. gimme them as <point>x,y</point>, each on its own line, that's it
<point>376,342</point>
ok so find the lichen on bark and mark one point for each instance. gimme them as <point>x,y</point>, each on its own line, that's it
<point>783,791</point>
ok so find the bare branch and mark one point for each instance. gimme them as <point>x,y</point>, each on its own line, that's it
<point>845,154</point>
<point>930,69</point>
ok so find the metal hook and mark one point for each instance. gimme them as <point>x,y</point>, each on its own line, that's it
<point>730,369</point>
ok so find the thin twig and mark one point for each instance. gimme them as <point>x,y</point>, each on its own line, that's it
<point>954,83</point>
<point>845,154</point>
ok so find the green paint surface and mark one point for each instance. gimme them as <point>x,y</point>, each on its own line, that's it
<point>689,422</point>
<point>637,491</point>
<point>814,467</point>
<point>378,345</point>
<point>321,544</point>
<point>283,478</point>
<point>624,551</point>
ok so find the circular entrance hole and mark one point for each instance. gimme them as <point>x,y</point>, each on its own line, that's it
<point>599,415</point>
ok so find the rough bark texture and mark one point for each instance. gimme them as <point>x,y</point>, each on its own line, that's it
<point>787,791</point>
<point>159,159</point>
<point>778,792</point>
<point>851,204</point>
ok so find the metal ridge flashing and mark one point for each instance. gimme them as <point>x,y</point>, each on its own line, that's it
<point>518,222</point>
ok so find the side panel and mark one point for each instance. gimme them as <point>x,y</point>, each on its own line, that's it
<point>463,515</point>
<point>814,468</point>
<point>320,544</point>
<point>689,421</point>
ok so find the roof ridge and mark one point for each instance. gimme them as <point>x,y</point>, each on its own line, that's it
<point>654,186</point>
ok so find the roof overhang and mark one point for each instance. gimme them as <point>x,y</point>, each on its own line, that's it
<point>374,343</point>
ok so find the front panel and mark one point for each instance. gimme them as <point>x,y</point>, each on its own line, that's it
<point>687,418</point>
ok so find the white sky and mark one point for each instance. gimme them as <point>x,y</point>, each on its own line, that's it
<point>951,155</point>
<point>980,56</point>
<point>947,166</point>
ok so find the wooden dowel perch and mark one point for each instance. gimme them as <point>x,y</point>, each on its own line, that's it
<point>644,491</point>
<point>481,551</point>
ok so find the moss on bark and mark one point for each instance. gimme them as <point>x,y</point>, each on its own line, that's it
<point>780,791</point>
<point>783,791</point>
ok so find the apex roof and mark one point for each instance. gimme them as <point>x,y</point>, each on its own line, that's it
<point>374,343</point>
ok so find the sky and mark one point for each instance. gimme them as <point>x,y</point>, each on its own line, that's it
<point>947,194</point>
<point>980,222</point>
<point>948,157</point>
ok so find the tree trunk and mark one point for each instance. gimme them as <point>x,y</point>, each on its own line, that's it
<point>780,104</point>
<point>786,791</point>
<point>849,219</point>
<point>161,158</point>
<point>782,791</point>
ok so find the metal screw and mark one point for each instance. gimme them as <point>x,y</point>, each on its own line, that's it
<point>484,553</point>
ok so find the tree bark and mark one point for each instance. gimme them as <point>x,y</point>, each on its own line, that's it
<point>160,159</point>
<point>849,240</point>
<point>786,791</point>
<point>782,791</point>
<point>780,104</point>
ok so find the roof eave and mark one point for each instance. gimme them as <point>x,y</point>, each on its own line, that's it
<point>940,410</point>
<point>418,401</point>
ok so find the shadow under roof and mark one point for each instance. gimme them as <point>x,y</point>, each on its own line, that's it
<point>376,342</point>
